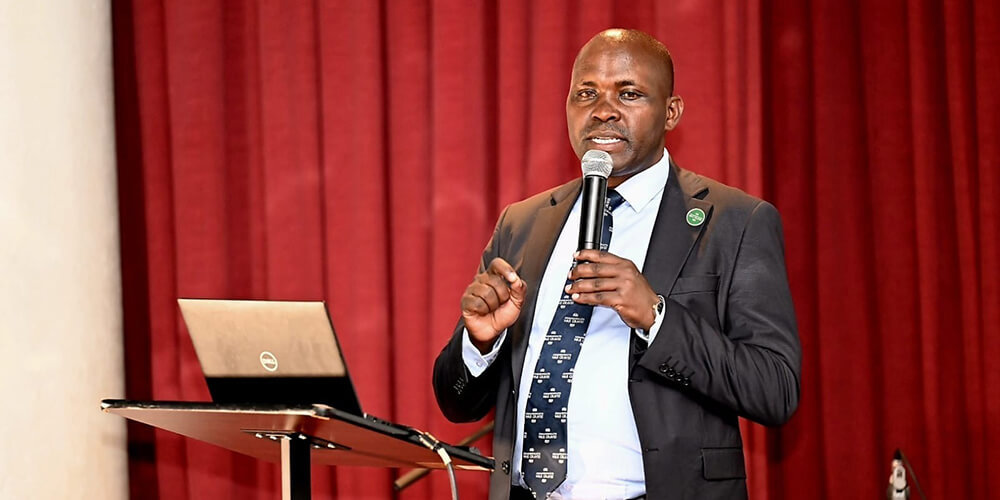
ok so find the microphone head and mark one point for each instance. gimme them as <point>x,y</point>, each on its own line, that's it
<point>596,162</point>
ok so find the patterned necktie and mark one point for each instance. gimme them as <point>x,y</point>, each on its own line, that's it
<point>543,457</point>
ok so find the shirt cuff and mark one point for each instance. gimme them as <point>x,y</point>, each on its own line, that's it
<point>476,361</point>
<point>653,330</point>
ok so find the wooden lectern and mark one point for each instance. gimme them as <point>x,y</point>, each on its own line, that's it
<point>299,435</point>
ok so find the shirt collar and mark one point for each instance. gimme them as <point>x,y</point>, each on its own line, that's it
<point>643,187</point>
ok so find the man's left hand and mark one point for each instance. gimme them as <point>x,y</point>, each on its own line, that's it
<point>602,278</point>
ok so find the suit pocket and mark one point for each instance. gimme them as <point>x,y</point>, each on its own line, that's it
<point>698,294</point>
<point>695,284</point>
<point>723,463</point>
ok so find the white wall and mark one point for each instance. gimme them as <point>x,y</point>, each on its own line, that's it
<point>60,294</point>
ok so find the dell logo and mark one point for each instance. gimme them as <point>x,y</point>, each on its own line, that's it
<point>268,361</point>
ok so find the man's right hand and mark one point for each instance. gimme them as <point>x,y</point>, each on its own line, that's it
<point>492,303</point>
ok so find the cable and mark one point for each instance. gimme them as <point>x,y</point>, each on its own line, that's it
<point>914,476</point>
<point>451,471</point>
<point>434,445</point>
<point>415,475</point>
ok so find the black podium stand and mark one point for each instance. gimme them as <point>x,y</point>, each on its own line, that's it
<point>297,436</point>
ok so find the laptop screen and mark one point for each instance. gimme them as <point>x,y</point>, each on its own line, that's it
<point>272,352</point>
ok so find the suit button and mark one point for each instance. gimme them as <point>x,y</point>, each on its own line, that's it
<point>686,381</point>
<point>664,368</point>
<point>505,466</point>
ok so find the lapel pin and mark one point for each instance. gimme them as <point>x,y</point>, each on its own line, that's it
<point>695,217</point>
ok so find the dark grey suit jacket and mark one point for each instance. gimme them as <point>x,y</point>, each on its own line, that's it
<point>727,348</point>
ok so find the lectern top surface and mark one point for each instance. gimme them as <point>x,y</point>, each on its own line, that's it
<point>345,439</point>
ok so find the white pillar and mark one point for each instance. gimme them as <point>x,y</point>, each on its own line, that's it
<point>60,291</point>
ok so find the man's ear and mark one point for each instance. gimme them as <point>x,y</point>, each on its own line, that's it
<point>675,108</point>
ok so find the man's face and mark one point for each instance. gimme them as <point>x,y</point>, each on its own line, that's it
<point>618,102</point>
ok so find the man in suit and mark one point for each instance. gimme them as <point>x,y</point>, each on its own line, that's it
<point>688,317</point>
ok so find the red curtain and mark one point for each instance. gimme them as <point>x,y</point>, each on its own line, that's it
<point>882,152</point>
<point>359,153</point>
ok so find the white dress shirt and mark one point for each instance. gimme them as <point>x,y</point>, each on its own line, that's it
<point>605,457</point>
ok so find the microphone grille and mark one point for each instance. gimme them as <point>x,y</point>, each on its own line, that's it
<point>596,162</point>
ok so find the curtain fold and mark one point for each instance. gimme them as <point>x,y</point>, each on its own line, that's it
<point>360,152</point>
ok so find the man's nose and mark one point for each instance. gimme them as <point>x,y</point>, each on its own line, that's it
<point>606,109</point>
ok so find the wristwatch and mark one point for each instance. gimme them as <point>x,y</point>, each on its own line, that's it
<point>659,306</point>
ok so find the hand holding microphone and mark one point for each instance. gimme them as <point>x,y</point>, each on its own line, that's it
<point>602,278</point>
<point>492,302</point>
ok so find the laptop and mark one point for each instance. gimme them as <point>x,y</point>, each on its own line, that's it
<point>255,352</point>
<point>269,352</point>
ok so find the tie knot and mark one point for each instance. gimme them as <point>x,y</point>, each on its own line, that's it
<point>614,200</point>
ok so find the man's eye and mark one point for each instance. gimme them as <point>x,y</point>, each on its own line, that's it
<point>586,94</point>
<point>630,95</point>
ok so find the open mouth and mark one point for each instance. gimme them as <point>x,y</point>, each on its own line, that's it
<point>605,140</point>
<point>605,136</point>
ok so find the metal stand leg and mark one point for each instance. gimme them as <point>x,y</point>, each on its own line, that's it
<point>295,476</point>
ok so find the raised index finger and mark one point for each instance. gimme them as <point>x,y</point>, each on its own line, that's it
<point>503,269</point>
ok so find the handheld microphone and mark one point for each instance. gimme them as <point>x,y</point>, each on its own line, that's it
<point>596,167</point>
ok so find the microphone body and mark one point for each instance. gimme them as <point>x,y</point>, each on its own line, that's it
<point>595,193</point>
<point>596,167</point>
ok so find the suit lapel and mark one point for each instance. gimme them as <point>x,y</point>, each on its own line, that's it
<point>673,238</point>
<point>541,241</point>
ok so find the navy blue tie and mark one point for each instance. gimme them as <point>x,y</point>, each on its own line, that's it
<point>543,452</point>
